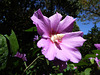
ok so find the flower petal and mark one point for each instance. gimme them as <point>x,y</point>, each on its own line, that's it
<point>66,24</point>
<point>73,39</point>
<point>54,20</point>
<point>97,61</point>
<point>50,53</point>
<point>49,49</point>
<point>69,53</point>
<point>97,46</point>
<point>38,29</point>
<point>44,43</point>
<point>42,22</point>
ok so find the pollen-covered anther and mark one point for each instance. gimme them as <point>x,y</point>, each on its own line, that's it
<point>57,38</point>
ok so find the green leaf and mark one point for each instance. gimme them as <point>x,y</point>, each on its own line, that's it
<point>82,73</point>
<point>31,29</point>
<point>89,55</point>
<point>68,67</point>
<point>92,61</point>
<point>3,52</point>
<point>99,62</point>
<point>82,62</point>
<point>87,71</point>
<point>14,46</point>
<point>47,62</point>
<point>96,51</point>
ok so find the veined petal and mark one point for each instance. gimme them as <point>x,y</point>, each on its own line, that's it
<point>51,52</point>
<point>38,29</point>
<point>54,20</point>
<point>49,49</point>
<point>42,21</point>
<point>44,43</point>
<point>73,39</point>
<point>66,25</point>
<point>62,56</point>
<point>69,53</point>
<point>97,46</point>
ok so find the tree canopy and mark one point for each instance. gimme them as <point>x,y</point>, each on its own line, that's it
<point>90,10</point>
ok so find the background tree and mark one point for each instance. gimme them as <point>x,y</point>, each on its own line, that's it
<point>90,10</point>
<point>92,38</point>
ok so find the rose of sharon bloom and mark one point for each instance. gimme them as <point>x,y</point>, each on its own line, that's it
<point>75,67</point>
<point>97,46</point>
<point>57,39</point>
<point>22,56</point>
<point>96,59</point>
<point>35,38</point>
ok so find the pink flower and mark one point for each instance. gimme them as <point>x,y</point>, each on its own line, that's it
<point>35,38</point>
<point>57,39</point>
<point>97,61</point>
<point>75,67</point>
<point>97,46</point>
<point>22,56</point>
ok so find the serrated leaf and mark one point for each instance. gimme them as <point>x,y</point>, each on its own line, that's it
<point>14,46</point>
<point>3,52</point>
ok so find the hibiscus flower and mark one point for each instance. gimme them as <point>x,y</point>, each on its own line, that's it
<point>97,46</point>
<point>96,59</point>
<point>22,56</point>
<point>57,39</point>
<point>35,38</point>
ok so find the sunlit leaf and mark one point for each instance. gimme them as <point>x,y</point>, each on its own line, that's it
<point>14,46</point>
<point>3,52</point>
<point>92,61</point>
<point>87,71</point>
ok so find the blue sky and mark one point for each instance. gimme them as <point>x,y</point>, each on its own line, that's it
<point>86,28</point>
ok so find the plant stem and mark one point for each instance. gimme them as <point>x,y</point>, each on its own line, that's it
<point>31,63</point>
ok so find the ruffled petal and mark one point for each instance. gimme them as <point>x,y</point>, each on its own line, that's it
<point>73,39</point>
<point>44,43</point>
<point>97,46</point>
<point>49,48</point>
<point>54,20</point>
<point>50,53</point>
<point>69,53</point>
<point>42,22</point>
<point>66,25</point>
